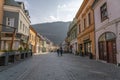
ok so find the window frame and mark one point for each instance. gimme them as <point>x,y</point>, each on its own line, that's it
<point>79,28</point>
<point>20,25</point>
<point>84,23</point>
<point>10,22</point>
<point>104,12</point>
<point>89,18</point>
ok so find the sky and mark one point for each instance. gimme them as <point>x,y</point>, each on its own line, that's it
<point>42,11</point>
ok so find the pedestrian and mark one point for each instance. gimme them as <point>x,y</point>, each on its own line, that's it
<point>58,51</point>
<point>61,51</point>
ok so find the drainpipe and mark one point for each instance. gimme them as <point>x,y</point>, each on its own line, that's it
<point>13,37</point>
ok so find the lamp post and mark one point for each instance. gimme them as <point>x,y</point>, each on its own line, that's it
<point>13,36</point>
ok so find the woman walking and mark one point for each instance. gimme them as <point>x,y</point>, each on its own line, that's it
<point>58,51</point>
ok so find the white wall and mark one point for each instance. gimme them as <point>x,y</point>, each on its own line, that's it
<point>22,17</point>
<point>113,12</point>
<point>25,21</point>
<point>74,47</point>
<point>111,28</point>
<point>118,43</point>
<point>113,9</point>
<point>109,24</point>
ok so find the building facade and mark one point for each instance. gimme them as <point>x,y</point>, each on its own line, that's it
<point>32,39</point>
<point>85,22</point>
<point>72,33</point>
<point>64,46</point>
<point>39,44</point>
<point>15,29</point>
<point>107,30</point>
<point>44,44</point>
<point>1,13</point>
<point>1,17</point>
<point>48,44</point>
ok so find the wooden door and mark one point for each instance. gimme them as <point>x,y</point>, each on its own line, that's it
<point>85,48</point>
<point>102,51</point>
<point>111,52</point>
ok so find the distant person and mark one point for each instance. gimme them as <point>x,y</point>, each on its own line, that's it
<point>58,51</point>
<point>61,51</point>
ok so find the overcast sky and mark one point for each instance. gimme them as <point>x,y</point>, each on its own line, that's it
<point>42,11</point>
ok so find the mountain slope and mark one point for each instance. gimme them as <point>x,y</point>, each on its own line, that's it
<point>56,31</point>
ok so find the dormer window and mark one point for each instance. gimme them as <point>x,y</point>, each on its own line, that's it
<point>21,5</point>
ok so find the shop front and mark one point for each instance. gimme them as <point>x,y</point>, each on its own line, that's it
<point>87,47</point>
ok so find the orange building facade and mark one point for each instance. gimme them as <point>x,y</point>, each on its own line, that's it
<point>1,12</point>
<point>85,22</point>
<point>32,39</point>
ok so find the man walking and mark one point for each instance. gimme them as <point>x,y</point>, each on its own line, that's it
<point>61,51</point>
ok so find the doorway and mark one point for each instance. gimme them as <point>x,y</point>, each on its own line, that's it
<point>87,47</point>
<point>111,50</point>
<point>107,47</point>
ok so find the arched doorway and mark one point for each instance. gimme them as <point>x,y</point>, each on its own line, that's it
<point>107,47</point>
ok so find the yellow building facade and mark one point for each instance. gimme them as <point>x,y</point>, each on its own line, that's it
<point>85,22</point>
<point>32,40</point>
<point>1,12</point>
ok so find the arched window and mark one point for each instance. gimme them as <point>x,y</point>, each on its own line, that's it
<point>107,36</point>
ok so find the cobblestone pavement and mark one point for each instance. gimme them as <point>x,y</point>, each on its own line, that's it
<point>67,67</point>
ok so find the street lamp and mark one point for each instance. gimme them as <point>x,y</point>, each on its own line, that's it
<point>14,32</point>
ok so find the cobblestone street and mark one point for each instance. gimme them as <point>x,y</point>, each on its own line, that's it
<point>68,67</point>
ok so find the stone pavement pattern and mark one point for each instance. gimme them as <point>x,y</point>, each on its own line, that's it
<point>68,67</point>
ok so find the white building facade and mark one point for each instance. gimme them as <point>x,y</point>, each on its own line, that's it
<point>16,16</point>
<point>72,33</point>
<point>107,30</point>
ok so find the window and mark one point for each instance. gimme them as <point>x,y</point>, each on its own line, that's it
<point>30,36</point>
<point>20,24</point>
<point>33,38</point>
<point>79,28</point>
<point>8,35</point>
<point>10,22</point>
<point>75,33</point>
<point>84,23</point>
<point>89,19</point>
<point>104,14</point>
<point>23,27</point>
<point>26,30</point>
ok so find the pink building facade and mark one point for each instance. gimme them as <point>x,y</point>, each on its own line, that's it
<point>107,30</point>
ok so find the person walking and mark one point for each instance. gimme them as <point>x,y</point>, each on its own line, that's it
<point>58,51</point>
<point>61,51</point>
